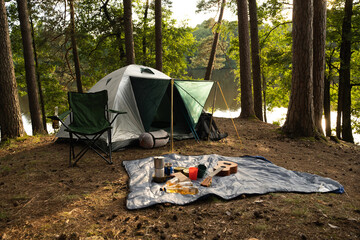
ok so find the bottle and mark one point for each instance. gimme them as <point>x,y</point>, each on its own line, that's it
<point>182,190</point>
<point>55,123</point>
<point>172,181</point>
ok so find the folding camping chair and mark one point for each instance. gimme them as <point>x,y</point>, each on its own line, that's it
<point>89,119</point>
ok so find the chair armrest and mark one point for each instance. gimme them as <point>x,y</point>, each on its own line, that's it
<point>60,117</point>
<point>115,112</point>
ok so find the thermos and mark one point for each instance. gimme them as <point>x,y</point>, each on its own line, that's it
<point>159,166</point>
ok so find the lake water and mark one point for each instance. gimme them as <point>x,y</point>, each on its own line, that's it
<point>226,79</point>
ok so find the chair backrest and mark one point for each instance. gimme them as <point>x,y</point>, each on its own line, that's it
<point>89,109</point>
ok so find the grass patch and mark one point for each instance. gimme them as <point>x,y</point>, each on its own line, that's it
<point>300,212</point>
<point>5,169</point>
<point>20,198</point>
<point>260,227</point>
<point>71,197</point>
<point>3,215</point>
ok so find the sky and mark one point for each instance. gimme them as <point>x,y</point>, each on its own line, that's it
<point>185,10</point>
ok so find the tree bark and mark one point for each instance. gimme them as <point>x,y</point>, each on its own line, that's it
<point>319,36</point>
<point>74,47</point>
<point>158,35</point>
<point>210,65</point>
<point>255,58</point>
<point>247,104</point>
<point>10,115</point>
<point>300,116</point>
<point>38,80</point>
<point>32,91</point>
<point>144,42</point>
<point>129,39</point>
<point>344,75</point>
<point>327,109</point>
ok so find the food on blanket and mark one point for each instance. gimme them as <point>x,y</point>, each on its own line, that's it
<point>186,172</point>
<point>178,169</point>
<point>181,177</point>
<point>172,181</point>
<point>227,168</point>
<point>181,187</point>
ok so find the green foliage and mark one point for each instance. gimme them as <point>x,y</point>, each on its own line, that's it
<point>335,16</point>
<point>100,42</point>
<point>204,34</point>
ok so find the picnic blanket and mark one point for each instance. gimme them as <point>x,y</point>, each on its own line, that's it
<point>255,175</point>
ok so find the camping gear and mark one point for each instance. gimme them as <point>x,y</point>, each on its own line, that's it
<point>153,139</point>
<point>206,128</point>
<point>145,94</point>
<point>227,168</point>
<point>168,169</point>
<point>255,175</point>
<point>159,167</point>
<point>223,168</point>
<point>201,170</point>
<point>89,119</point>
<point>193,172</point>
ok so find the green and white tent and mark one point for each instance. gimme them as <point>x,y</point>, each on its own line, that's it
<point>145,94</point>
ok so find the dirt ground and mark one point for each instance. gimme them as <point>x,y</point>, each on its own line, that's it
<point>42,198</point>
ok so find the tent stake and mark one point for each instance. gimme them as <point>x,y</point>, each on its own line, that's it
<point>172,116</point>
<point>229,111</point>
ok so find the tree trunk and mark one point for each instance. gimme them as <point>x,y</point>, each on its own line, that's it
<point>339,107</point>
<point>264,95</point>
<point>10,115</point>
<point>344,75</point>
<point>215,42</point>
<point>41,96</point>
<point>319,36</point>
<point>129,39</point>
<point>247,104</point>
<point>116,29</point>
<point>300,116</point>
<point>32,91</point>
<point>158,35</point>
<point>144,43</point>
<point>327,110</point>
<point>74,47</point>
<point>255,58</point>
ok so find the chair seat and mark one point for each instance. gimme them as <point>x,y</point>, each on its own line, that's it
<point>88,130</point>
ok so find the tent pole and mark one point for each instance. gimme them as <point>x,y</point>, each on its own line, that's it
<point>229,111</point>
<point>212,110</point>
<point>172,116</point>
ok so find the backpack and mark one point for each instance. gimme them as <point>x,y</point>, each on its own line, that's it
<point>203,128</point>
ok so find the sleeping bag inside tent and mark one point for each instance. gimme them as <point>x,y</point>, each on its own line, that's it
<point>145,94</point>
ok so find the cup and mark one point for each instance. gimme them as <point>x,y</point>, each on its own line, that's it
<point>193,172</point>
<point>201,170</point>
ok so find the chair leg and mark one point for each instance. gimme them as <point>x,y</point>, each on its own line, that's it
<point>71,154</point>
<point>110,146</point>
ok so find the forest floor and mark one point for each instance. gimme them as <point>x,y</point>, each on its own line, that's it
<point>42,198</point>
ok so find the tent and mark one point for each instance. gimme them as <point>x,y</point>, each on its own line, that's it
<point>145,94</point>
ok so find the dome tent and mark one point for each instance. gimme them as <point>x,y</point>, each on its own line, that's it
<point>145,94</point>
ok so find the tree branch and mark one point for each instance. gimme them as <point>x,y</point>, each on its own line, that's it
<point>268,34</point>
